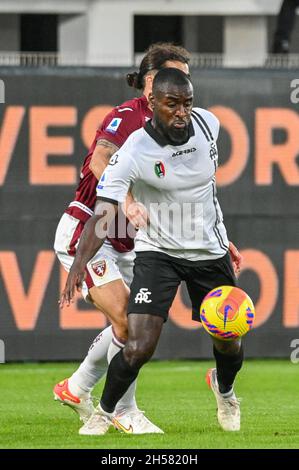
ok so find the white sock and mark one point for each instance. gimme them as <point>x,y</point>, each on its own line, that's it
<point>127,401</point>
<point>229,394</point>
<point>94,366</point>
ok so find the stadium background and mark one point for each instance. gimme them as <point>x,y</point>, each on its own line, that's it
<point>47,123</point>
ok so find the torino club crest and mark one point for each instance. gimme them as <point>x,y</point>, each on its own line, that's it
<point>99,268</point>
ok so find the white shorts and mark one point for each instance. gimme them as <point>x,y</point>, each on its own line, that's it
<point>106,266</point>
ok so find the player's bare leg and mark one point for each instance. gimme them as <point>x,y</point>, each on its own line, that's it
<point>229,359</point>
<point>144,333</point>
<point>111,299</point>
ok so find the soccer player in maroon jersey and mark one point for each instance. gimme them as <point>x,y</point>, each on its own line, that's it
<point>112,265</point>
<point>110,272</point>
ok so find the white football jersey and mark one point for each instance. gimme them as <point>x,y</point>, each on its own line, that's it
<point>176,184</point>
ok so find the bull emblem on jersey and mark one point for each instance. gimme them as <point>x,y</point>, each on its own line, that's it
<point>99,268</point>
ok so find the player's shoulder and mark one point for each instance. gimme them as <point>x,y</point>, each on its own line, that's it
<point>126,117</point>
<point>126,110</point>
<point>134,144</point>
<point>136,138</point>
<point>207,119</point>
<point>131,106</point>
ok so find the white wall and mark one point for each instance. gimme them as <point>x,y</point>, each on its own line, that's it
<point>72,38</point>
<point>9,32</point>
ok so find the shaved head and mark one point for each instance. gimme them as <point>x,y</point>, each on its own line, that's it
<point>170,78</point>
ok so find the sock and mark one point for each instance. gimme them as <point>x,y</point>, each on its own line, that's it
<point>127,401</point>
<point>227,369</point>
<point>120,376</point>
<point>94,365</point>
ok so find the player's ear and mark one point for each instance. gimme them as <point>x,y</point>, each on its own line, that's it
<point>151,100</point>
<point>149,80</point>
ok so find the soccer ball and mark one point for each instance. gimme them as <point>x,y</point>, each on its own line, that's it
<point>227,313</point>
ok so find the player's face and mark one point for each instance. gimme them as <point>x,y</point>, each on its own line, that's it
<point>175,64</point>
<point>172,112</point>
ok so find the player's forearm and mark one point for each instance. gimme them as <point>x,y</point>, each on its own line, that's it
<point>89,243</point>
<point>95,232</point>
<point>128,201</point>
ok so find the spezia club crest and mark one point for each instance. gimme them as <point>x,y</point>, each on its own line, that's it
<point>160,169</point>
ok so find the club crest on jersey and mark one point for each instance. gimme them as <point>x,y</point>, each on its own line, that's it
<point>114,125</point>
<point>99,268</point>
<point>160,169</point>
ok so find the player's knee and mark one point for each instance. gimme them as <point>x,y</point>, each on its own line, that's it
<point>120,328</point>
<point>119,321</point>
<point>137,353</point>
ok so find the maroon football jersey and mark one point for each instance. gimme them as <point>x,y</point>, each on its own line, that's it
<point>116,128</point>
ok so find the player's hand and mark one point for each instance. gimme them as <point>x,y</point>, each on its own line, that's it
<point>73,283</point>
<point>137,215</point>
<point>236,258</point>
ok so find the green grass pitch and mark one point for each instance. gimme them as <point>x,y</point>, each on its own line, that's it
<point>174,395</point>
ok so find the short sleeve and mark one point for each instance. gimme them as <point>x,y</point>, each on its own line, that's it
<point>118,176</point>
<point>118,126</point>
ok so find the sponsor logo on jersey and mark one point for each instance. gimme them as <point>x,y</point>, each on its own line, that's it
<point>99,268</point>
<point>121,110</point>
<point>113,160</point>
<point>114,125</point>
<point>183,152</point>
<point>160,169</point>
<point>213,152</point>
<point>101,182</point>
<point>142,296</point>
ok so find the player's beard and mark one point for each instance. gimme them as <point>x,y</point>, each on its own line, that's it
<point>178,136</point>
<point>175,135</point>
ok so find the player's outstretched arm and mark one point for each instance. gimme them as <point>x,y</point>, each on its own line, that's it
<point>92,238</point>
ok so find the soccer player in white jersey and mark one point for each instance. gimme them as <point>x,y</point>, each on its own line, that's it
<point>173,161</point>
<point>110,271</point>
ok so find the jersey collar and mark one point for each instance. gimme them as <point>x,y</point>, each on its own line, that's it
<point>163,141</point>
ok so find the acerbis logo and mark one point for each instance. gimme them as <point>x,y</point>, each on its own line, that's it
<point>183,152</point>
